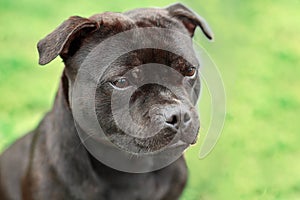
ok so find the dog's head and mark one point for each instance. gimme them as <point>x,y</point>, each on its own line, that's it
<point>161,87</point>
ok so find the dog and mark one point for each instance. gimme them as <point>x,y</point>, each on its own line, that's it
<point>51,163</point>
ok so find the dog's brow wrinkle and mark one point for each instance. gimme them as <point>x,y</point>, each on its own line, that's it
<point>94,78</point>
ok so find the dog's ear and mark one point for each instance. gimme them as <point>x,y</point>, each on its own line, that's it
<point>62,41</point>
<point>190,19</point>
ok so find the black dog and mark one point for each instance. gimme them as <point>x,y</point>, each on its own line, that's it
<point>50,163</point>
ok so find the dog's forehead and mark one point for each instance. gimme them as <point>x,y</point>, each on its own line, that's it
<point>149,17</point>
<point>144,17</point>
<point>112,19</point>
<point>131,63</point>
<point>140,17</point>
<point>114,23</point>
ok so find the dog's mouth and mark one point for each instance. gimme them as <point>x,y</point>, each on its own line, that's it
<point>179,144</point>
<point>167,139</point>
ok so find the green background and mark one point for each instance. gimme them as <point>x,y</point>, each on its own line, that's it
<point>257,50</point>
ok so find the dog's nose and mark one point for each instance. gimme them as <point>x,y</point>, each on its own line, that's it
<point>175,119</point>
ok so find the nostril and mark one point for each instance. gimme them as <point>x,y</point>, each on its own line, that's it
<point>173,120</point>
<point>186,118</point>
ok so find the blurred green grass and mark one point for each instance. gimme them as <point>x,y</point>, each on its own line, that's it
<point>257,50</point>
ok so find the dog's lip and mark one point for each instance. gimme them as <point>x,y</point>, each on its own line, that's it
<point>178,144</point>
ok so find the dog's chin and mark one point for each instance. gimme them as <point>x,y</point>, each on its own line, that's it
<point>166,140</point>
<point>172,148</point>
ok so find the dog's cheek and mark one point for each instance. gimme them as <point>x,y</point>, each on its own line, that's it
<point>196,91</point>
<point>192,88</point>
<point>102,103</point>
<point>103,107</point>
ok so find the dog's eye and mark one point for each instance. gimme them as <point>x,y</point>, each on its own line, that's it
<point>121,83</point>
<point>190,71</point>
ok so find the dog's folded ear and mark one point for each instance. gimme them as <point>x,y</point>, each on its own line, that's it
<point>190,19</point>
<point>62,41</point>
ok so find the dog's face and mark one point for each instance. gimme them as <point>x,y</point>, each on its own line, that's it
<point>159,115</point>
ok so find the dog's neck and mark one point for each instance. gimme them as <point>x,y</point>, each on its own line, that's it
<point>68,154</point>
<point>65,138</point>
<point>63,123</point>
<point>63,131</point>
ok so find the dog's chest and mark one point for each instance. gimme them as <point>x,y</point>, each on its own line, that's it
<point>137,187</point>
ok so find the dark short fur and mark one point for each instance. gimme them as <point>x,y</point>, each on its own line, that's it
<point>51,163</point>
